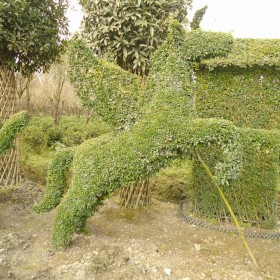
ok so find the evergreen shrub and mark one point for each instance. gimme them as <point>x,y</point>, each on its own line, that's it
<point>130,30</point>
<point>37,147</point>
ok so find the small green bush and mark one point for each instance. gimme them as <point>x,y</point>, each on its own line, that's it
<point>54,135</point>
<point>41,133</point>
<point>40,139</point>
<point>10,128</point>
<point>34,138</point>
<point>173,183</point>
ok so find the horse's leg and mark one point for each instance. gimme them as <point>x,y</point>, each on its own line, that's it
<point>100,169</point>
<point>57,180</point>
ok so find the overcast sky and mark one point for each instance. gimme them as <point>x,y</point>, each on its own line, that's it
<point>244,18</point>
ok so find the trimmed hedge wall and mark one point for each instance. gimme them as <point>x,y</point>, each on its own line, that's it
<point>252,195</point>
<point>243,87</point>
<point>239,95</point>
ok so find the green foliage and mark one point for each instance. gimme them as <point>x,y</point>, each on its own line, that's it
<point>198,16</point>
<point>252,195</point>
<point>57,175</point>
<point>167,131</point>
<point>57,180</point>
<point>40,135</point>
<point>130,30</point>
<point>174,182</point>
<point>34,166</point>
<point>238,95</point>
<point>10,129</point>
<point>248,53</point>
<point>35,139</point>
<point>34,150</point>
<point>128,158</point>
<point>31,33</point>
<point>54,135</point>
<point>117,96</point>
<point>199,44</point>
<point>243,87</point>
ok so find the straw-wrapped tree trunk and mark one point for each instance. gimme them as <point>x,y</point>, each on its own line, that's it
<point>9,169</point>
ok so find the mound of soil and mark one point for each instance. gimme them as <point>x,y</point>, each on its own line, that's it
<point>122,244</point>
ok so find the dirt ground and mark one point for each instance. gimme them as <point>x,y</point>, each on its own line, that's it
<point>123,244</point>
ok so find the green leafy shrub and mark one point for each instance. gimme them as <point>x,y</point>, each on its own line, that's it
<point>75,132</point>
<point>32,33</point>
<point>41,133</point>
<point>54,135</point>
<point>10,128</point>
<point>243,87</point>
<point>130,30</point>
<point>35,138</point>
<point>39,140</point>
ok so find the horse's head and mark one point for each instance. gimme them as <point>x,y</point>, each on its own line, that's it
<point>197,44</point>
<point>200,44</point>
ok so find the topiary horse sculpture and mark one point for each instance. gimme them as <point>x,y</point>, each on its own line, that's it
<point>166,130</point>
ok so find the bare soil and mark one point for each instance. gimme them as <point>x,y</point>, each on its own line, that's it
<point>124,244</point>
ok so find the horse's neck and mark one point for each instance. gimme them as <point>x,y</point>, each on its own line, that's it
<point>173,89</point>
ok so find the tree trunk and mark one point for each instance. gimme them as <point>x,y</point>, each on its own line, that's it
<point>28,98</point>
<point>136,195</point>
<point>9,167</point>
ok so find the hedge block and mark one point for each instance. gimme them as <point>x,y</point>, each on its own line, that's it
<point>253,194</point>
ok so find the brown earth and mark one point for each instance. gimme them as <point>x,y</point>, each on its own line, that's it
<point>124,244</point>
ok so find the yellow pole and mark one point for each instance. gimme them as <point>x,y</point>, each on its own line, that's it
<point>229,208</point>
